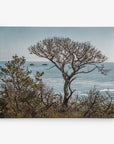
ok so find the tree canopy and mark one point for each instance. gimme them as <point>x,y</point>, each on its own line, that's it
<point>76,56</point>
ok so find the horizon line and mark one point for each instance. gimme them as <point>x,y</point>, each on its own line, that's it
<point>43,61</point>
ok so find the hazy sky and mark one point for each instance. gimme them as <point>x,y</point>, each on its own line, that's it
<point>16,40</point>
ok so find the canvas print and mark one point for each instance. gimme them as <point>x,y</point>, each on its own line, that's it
<point>56,72</point>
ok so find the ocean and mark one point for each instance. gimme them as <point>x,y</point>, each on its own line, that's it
<point>52,78</point>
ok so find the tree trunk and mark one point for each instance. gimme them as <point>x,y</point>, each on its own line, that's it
<point>66,93</point>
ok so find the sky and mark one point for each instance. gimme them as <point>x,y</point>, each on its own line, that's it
<point>17,40</point>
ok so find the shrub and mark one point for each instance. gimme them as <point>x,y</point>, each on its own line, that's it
<point>20,90</point>
<point>96,104</point>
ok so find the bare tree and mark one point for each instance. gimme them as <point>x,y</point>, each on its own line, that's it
<point>71,58</point>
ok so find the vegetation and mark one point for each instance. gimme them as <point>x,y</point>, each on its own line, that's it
<point>71,58</point>
<point>24,96</point>
<point>21,94</point>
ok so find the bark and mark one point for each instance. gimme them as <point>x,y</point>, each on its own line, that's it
<point>66,93</point>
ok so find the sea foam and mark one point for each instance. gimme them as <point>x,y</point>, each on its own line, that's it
<point>111,90</point>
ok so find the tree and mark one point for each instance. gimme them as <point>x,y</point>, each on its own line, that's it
<point>71,58</point>
<point>21,91</point>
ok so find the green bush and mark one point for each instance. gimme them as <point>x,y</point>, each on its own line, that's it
<point>21,92</point>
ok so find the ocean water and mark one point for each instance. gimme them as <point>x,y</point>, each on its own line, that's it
<point>84,82</point>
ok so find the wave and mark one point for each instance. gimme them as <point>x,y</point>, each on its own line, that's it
<point>84,94</point>
<point>111,90</point>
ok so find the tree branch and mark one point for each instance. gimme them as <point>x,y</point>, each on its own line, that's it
<point>87,71</point>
